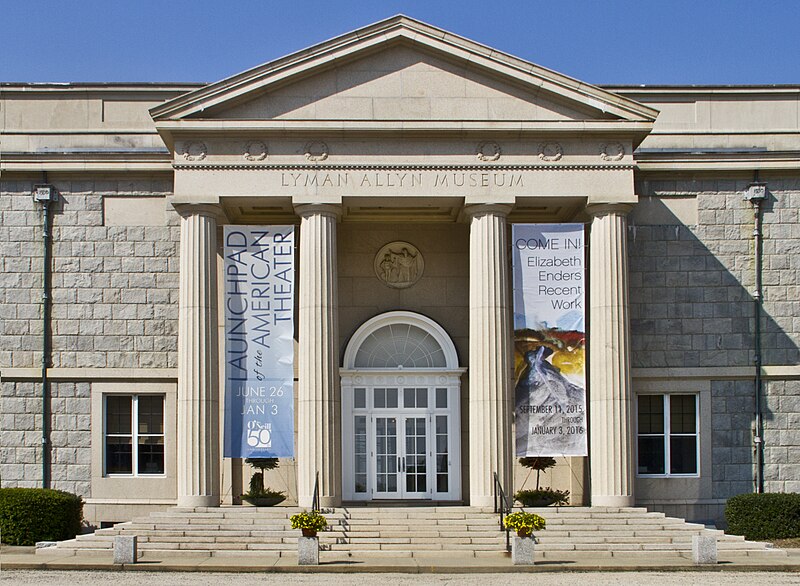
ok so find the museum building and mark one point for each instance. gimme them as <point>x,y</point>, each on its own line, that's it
<point>403,156</point>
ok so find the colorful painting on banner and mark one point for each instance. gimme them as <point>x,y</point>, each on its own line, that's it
<point>259,348</point>
<point>549,340</point>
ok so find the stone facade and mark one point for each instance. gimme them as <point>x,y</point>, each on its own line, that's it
<point>403,142</point>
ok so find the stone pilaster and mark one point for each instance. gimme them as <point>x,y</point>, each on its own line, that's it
<point>609,359</point>
<point>490,366</point>
<point>318,394</point>
<point>198,359</point>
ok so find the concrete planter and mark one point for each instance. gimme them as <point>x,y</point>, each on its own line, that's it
<point>522,550</point>
<point>308,551</point>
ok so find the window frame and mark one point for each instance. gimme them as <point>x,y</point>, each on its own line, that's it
<point>666,398</point>
<point>134,435</point>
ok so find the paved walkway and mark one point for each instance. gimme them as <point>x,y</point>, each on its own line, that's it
<point>17,558</point>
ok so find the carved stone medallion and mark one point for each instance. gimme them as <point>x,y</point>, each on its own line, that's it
<point>316,151</point>
<point>399,264</point>
<point>194,151</point>
<point>550,151</point>
<point>255,150</point>
<point>488,150</point>
<point>612,151</point>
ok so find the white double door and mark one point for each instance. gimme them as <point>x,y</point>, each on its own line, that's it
<point>402,458</point>
<point>399,441</point>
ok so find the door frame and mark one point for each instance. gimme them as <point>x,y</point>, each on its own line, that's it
<point>446,377</point>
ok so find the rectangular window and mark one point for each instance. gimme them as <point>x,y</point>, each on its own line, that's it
<point>667,435</point>
<point>134,434</point>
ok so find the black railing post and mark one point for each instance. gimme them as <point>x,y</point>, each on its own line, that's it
<point>315,498</point>
<point>503,509</point>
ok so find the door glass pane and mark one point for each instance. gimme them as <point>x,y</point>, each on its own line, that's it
<point>360,455</point>
<point>416,459</point>
<point>386,454</point>
<point>442,455</point>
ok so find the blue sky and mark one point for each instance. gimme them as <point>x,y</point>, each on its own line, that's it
<point>601,42</point>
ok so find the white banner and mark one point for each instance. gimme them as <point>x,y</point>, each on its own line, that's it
<point>259,348</point>
<point>549,340</point>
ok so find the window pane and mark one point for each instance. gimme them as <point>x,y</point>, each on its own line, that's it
<point>151,414</point>
<point>360,398</point>
<point>119,455</point>
<point>379,398</point>
<point>441,398</point>
<point>391,398</point>
<point>118,414</point>
<point>408,398</point>
<point>651,413</point>
<point>683,455</point>
<point>651,455</point>
<point>682,413</point>
<point>151,455</point>
<point>422,397</point>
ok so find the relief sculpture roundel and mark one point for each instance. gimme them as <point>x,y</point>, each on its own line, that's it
<point>399,264</point>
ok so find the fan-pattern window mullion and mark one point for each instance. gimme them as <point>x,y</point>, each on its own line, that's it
<point>400,345</point>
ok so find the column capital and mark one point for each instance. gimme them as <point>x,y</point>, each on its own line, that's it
<point>602,209</point>
<point>325,209</point>
<point>201,209</point>
<point>498,209</point>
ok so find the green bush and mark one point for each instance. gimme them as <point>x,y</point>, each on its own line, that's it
<point>764,516</point>
<point>28,515</point>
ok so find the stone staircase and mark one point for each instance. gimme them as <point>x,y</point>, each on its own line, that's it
<point>405,532</point>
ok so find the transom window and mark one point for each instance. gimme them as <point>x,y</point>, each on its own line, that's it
<point>400,345</point>
<point>134,434</point>
<point>667,435</point>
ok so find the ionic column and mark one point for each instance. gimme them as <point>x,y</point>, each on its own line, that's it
<point>198,357</point>
<point>609,364</point>
<point>490,366</point>
<point>318,396</point>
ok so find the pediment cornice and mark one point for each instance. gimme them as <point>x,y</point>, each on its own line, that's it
<point>388,33</point>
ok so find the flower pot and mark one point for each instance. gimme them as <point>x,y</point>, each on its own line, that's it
<point>308,551</point>
<point>264,501</point>
<point>309,532</point>
<point>522,551</point>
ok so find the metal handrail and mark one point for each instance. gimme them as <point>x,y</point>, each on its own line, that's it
<point>503,507</point>
<point>315,499</point>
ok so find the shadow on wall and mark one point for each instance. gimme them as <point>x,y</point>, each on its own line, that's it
<point>691,282</point>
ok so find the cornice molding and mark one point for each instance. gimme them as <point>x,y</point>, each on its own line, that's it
<point>378,167</point>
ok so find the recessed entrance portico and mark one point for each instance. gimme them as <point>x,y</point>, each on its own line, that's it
<point>401,411</point>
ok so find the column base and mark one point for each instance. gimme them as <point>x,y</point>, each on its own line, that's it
<point>198,501</point>
<point>612,500</point>
<point>481,500</point>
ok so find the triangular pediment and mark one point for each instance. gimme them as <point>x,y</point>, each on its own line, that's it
<point>401,69</point>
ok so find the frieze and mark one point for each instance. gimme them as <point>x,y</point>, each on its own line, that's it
<point>488,151</point>
<point>194,151</point>
<point>612,151</point>
<point>550,151</point>
<point>255,150</point>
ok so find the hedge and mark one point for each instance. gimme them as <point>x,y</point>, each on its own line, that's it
<point>764,516</point>
<point>28,515</point>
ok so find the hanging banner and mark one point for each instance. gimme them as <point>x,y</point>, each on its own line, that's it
<point>549,340</point>
<point>259,347</point>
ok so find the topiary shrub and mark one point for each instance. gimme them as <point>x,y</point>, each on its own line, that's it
<point>28,515</point>
<point>764,516</point>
